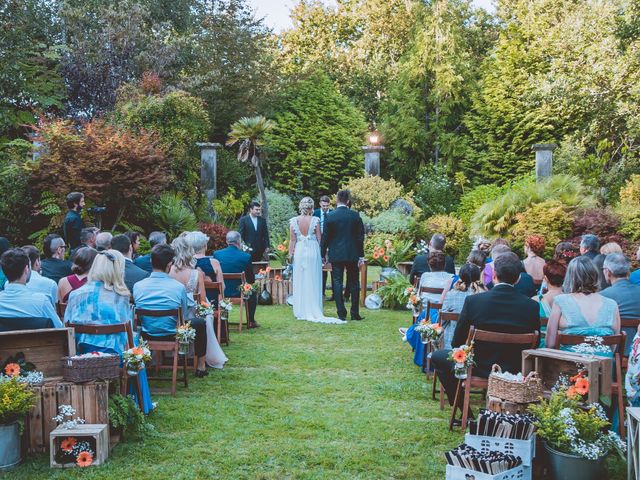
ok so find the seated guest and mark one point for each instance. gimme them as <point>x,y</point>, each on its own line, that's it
<point>582,310</point>
<point>534,263</point>
<point>233,260</point>
<point>436,277</point>
<point>103,241</point>
<point>590,248</point>
<point>634,278</point>
<point>616,271</point>
<point>501,309</point>
<point>144,261</point>
<point>554,272</point>
<point>82,262</point>
<point>38,283</point>
<point>132,273</point>
<point>483,246</point>
<point>16,300</point>
<point>4,246</point>
<point>87,239</point>
<point>211,268</point>
<point>54,266</point>
<point>183,270</point>
<point>525,283</point>
<point>565,252</point>
<point>421,262</point>
<point>609,248</point>
<point>161,292</point>
<point>475,257</point>
<point>104,300</point>
<point>134,238</point>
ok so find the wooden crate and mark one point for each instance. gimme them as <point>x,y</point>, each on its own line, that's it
<point>498,405</point>
<point>99,432</point>
<point>633,443</point>
<point>44,348</point>
<point>551,363</point>
<point>279,290</point>
<point>91,401</point>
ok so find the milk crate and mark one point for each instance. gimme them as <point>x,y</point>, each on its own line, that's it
<point>525,449</point>
<point>458,473</point>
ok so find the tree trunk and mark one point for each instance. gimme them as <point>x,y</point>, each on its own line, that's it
<point>263,195</point>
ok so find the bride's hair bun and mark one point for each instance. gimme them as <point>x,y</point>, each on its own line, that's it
<point>305,207</point>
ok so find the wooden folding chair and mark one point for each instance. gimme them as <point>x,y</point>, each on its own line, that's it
<point>164,346</point>
<point>630,323</point>
<point>617,387</point>
<point>426,360</point>
<point>444,318</point>
<point>527,340</point>
<point>209,285</point>
<point>112,329</point>
<point>61,307</point>
<point>239,300</point>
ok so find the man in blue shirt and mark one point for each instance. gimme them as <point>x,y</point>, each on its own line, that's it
<point>161,292</point>
<point>144,261</point>
<point>38,283</point>
<point>16,300</point>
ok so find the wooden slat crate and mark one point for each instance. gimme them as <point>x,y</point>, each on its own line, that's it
<point>99,433</point>
<point>44,348</point>
<point>279,290</point>
<point>91,401</point>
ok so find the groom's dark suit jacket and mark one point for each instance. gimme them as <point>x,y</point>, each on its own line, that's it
<point>343,236</point>
<point>258,239</point>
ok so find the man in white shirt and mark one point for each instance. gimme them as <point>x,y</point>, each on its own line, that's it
<point>38,283</point>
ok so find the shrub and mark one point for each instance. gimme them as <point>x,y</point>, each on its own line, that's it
<point>17,399</point>
<point>229,208</point>
<point>549,219</point>
<point>125,414</point>
<point>373,195</point>
<point>495,218</point>
<point>16,223</point>
<point>217,236</point>
<point>451,227</point>
<point>629,208</point>
<point>234,176</point>
<point>281,210</point>
<point>391,221</point>
<point>602,222</point>
<point>435,192</point>
<point>394,294</point>
<point>471,201</point>
<point>171,214</point>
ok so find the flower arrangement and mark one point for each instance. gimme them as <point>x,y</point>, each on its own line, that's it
<point>246,248</point>
<point>19,368</point>
<point>281,252</point>
<point>414,302</point>
<point>592,345</point>
<point>571,429</point>
<point>263,273</point>
<point>463,359</point>
<point>421,248</point>
<point>185,334</point>
<point>389,253</point>
<point>429,332</point>
<point>17,400</point>
<point>65,417</point>
<point>204,309</point>
<point>248,289</point>
<point>226,305</point>
<point>72,450</point>
<point>135,358</point>
<point>575,387</point>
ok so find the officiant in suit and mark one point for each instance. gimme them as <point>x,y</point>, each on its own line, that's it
<point>254,232</point>
<point>343,246</point>
<point>322,212</point>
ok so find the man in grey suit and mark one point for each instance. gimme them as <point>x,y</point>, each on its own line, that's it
<point>616,270</point>
<point>132,273</point>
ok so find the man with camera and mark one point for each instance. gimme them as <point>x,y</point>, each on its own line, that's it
<point>73,223</point>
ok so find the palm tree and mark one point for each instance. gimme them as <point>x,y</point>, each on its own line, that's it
<point>249,133</point>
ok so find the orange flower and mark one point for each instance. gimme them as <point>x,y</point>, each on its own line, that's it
<point>137,351</point>
<point>459,356</point>
<point>12,369</point>
<point>576,377</point>
<point>281,248</point>
<point>247,287</point>
<point>571,392</point>
<point>413,299</point>
<point>376,255</point>
<point>582,386</point>
<point>205,304</point>
<point>386,258</point>
<point>67,444</point>
<point>277,278</point>
<point>84,459</point>
<point>435,325</point>
<point>381,251</point>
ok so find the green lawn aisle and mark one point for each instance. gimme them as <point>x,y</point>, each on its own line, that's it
<point>297,400</point>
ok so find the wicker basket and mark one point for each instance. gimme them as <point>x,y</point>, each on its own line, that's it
<point>527,391</point>
<point>87,369</point>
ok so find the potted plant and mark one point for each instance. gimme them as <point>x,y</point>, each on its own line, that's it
<point>576,437</point>
<point>393,293</point>
<point>388,255</point>
<point>17,401</point>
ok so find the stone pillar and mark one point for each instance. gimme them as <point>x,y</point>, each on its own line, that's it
<point>372,159</point>
<point>208,173</point>
<point>544,159</point>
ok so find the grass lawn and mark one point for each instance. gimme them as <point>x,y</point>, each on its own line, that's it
<point>297,400</point>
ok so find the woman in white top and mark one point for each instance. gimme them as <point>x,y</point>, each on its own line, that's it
<point>436,278</point>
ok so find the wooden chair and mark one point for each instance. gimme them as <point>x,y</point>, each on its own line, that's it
<point>239,300</point>
<point>164,346</point>
<point>209,285</point>
<point>431,290</point>
<point>527,340</point>
<point>617,387</point>
<point>112,329</point>
<point>426,361</point>
<point>630,323</point>
<point>444,318</point>
<point>61,307</point>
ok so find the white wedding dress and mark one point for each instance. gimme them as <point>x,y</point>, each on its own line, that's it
<point>307,275</point>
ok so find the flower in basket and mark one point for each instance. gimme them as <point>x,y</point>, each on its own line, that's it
<point>135,358</point>
<point>186,333</point>
<point>203,309</point>
<point>280,253</point>
<point>429,332</point>
<point>12,369</point>
<point>277,278</point>
<point>463,358</point>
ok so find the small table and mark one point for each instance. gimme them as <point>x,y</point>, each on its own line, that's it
<point>405,267</point>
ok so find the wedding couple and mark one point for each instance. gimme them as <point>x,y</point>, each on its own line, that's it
<point>341,244</point>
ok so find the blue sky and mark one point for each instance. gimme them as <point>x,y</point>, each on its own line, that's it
<point>276,12</point>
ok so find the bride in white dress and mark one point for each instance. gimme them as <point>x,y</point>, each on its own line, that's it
<point>304,247</point>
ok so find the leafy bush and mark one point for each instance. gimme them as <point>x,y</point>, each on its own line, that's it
<point>435,192</point>
<point>391,221</point>
<point>451,227</point>
<point>217,236</point>
<point>281,210</point>
<point>472,200</point>
<point>171,214</point>
<point>373,195</point>
<point>394,294</point>
<point>602,222</point>
<point>234,176</point>
<point>495,218</point>
<point>549,219</point>
<point>629,208</point>
<point>16,224</point>
<point>125,414</point>
<point>229,208</point>
<point>17,399</point>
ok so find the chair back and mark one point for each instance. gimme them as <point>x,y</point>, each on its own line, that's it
<point>616,341</point>
<point>114,328</point>
<point>432,290</point>
<point>528,340</point>
<point>139,313</point>
<point>628,322</point>
<point>209,285</point>
<point>232,279</point>
<point>447,317</point>
<point>8,324</point>
<point>544,321</point>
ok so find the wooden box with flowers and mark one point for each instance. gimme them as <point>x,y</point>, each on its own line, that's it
<point>277,283</point>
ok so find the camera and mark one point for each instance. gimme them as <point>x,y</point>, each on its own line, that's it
<point>96,210</point>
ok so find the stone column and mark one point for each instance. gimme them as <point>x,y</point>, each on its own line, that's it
<point>372,159</point>
<point>208,173</point>
<point>544,159</point>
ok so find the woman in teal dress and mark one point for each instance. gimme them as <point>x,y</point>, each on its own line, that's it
<point>554,273</point>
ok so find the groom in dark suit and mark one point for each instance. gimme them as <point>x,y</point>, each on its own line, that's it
<point>254,232</point>
<point>322,213</point>
<point>343,237</point>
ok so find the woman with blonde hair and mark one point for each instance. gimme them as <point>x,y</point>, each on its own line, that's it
<point>104,300</point>
<point>304,250</point>
<point>184,269</point>
<point>611,247</point>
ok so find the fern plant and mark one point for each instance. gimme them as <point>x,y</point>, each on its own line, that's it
<point>124,414</point>
<point>394,294</point>
<point>171,214</point>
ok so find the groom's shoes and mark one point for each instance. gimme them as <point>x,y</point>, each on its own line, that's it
<point>357,317</point>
